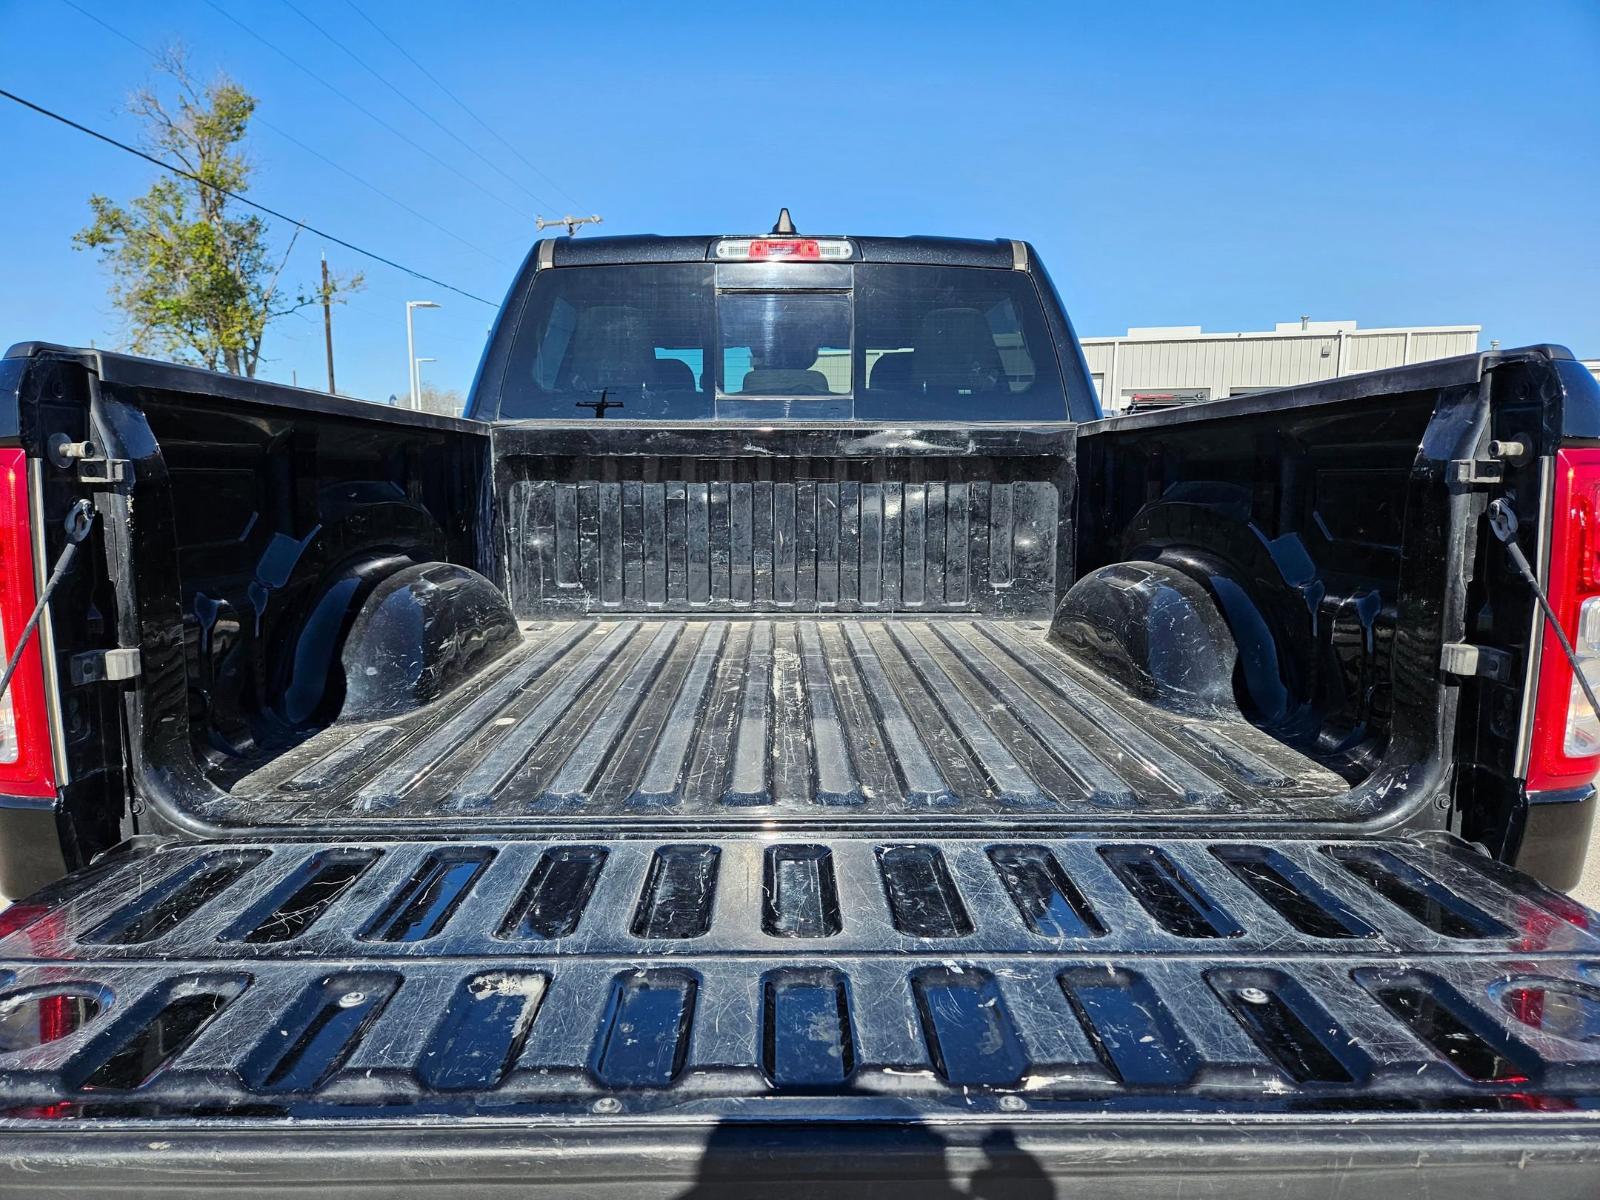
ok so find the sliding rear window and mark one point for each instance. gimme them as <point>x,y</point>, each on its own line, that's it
<point>698,341</point>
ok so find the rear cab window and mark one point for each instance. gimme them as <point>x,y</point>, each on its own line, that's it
<point>773,341</point>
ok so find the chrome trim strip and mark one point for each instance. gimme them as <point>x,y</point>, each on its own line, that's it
<point>1577,795</point>
<point>1541,564</point>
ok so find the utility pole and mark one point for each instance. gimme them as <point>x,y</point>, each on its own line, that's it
<point>571,222</point>
<point>327,321</point>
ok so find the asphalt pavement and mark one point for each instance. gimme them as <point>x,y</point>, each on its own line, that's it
<point>1588,889</point>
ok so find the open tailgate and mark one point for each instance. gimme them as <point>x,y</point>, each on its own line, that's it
<point>649,1017</point>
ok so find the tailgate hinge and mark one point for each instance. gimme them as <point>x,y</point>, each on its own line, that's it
<point>1458,658</point>
<point>100,666</point>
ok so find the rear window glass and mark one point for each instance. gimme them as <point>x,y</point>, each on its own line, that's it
<point>635,333</point>
<point>784,343</point>
<point>665,342</point>
<point>957,339</point>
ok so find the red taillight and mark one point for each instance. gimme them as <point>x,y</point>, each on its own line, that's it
<point>787,248</point>
<point>26,768</point>
<point>1565,748</point>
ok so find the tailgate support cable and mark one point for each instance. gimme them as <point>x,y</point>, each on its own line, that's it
<point>79,520</point>
<point>1504,524</point>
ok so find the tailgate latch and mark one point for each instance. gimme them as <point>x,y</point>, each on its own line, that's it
<point>1459,658</point>
<point>1502,453</point>
<point>93,466</point>
<point>103,666</point>
<point>1476,471</point>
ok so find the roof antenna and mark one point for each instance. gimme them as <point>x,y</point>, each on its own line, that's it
<point>785,223</point>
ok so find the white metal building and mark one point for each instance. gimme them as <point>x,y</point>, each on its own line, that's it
<point>1181,364</point>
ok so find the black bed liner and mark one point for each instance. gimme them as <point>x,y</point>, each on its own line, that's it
<point>822,719</point>
<point>788,851</point>
<point>832,978</point>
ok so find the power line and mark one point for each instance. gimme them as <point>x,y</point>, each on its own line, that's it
<point>376,74</point>
<point>340,167</point>
<point>361,108</point>
<point>232,195</point>
<point>289,137</point>
<point>462,105</point>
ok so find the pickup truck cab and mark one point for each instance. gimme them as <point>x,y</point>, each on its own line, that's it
<point>781,739</point>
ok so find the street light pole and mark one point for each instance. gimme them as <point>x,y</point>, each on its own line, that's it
<point>419,361</point>
<point>411,361</point>
<point>411,351</point>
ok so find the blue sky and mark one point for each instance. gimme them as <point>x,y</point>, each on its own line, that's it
<point>1222,165</point>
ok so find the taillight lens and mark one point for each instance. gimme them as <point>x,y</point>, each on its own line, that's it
<point>1565,749</point>
<point>25,763</point>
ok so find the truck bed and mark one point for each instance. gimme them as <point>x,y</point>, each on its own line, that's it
<point>790,720</point>
<point>786,851</point>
